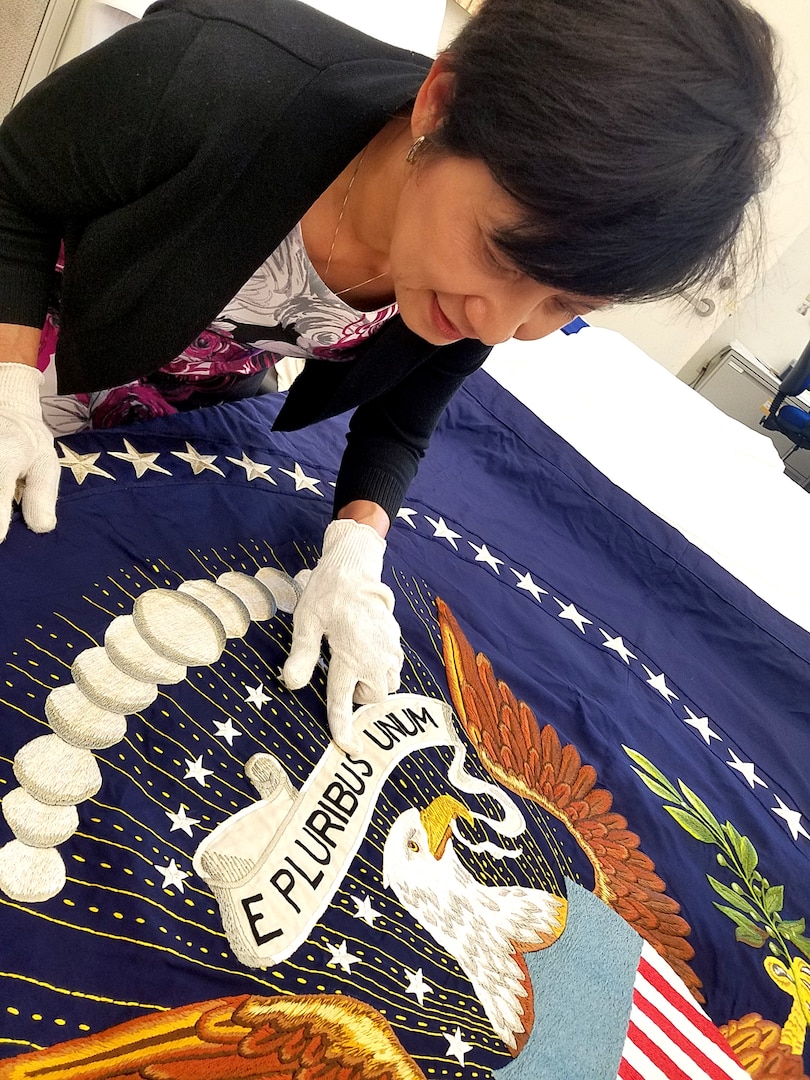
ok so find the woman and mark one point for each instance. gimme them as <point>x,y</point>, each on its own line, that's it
<point>561,155</point>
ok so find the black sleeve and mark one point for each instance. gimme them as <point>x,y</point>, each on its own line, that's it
<point>81,143</point>
<point>388,436</point>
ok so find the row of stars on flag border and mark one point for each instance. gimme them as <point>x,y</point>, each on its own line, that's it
<point>84,465</point>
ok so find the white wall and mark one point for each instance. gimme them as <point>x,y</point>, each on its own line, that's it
<point>770,322</point>
<point>670,332</point>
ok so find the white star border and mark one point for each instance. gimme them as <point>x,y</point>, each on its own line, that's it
<point>475,552</point>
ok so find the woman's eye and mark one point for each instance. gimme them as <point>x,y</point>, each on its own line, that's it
<point>495,261</point>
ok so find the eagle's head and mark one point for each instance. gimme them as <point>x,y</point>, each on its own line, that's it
<point>419,840</point>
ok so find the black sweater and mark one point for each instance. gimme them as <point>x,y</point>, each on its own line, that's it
<point>172,159</point>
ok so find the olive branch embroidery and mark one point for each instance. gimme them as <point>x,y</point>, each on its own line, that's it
<point>751,902</point>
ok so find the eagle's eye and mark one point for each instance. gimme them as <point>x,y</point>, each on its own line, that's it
<point>412,845</point>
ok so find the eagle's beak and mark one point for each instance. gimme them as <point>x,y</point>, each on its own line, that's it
<point>437,818</point>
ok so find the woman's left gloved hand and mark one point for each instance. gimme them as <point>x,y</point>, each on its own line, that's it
<point>345,601</point>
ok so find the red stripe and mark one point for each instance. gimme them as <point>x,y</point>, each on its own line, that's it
<point>685,1006</point>
<point>655,1054</point>
<point>627,1072</point>
<point>682,1041</point>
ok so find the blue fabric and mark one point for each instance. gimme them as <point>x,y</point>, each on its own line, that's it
<point>711,691</point>
<point>794,422</point>
<point>596,968</point>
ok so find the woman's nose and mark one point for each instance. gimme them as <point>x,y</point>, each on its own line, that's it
<point>516,313</point>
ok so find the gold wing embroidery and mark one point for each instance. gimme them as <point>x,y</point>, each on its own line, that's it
<point>311,1037</point>
<point>532,762</point>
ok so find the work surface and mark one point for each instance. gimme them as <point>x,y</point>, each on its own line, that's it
<point>585,808</point>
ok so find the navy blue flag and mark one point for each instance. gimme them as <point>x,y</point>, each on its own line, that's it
<point>575,843</point>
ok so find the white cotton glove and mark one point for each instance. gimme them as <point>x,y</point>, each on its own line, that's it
<point>29,467</point>
<point>345,602</point>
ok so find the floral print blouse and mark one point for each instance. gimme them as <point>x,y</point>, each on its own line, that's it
<point>284,312</point>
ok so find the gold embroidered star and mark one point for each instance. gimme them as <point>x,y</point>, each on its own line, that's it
<point>570,613</point>
<point>302,481</point>
<point>141,463</point>
<point>528,584</point>
<point>443,532</point>
<point>172,875</point>
<point>659,683</point>
<point>198,462</point>
<point>227,731</point>
<point>484,555</point>
<point>341,957</point>
<point>256,696</point>
<point>456,1047</point>
<point>365,911</point>
<point>417,985</point>
<point>615,644</point>
<point>406,514</point>
<point>181,820</point>
<point>81,465</point>
<point>701,725</point>
<point>195,771</point>
<point>254,470</point>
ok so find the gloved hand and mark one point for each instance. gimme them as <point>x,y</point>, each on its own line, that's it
<point>29,467</point>
<point>345,602</point>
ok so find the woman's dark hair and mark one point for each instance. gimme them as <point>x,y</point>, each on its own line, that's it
<point>634,133</point>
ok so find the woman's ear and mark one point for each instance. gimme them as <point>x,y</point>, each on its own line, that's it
<point>434,97</point>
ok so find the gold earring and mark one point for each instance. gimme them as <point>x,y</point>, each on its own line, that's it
<point>414,150</point>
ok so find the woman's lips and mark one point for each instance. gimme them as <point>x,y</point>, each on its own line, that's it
<point>443,324</point>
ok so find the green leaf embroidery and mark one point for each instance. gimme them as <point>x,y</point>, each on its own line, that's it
<point>792,928</point>
<point>647,766</point>
<point>774,899</point>
<point>660,790</point>
<point>802,944</point>
<point>751,935</point>
<point>731,896</point>
<point>701,807</point>
<point>693,825</point>
<point>748,856</point>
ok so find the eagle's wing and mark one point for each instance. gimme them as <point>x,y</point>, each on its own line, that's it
<point>312,1037</point>
<point>534,764</point>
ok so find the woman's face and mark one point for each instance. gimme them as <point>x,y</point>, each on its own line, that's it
<point>450,279</point>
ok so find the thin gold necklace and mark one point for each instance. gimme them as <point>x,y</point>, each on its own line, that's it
<point>360,284</point>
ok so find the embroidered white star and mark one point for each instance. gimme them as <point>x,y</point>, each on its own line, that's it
<point>172,875</point>
<point>417,985</point>
<point>528,585</point>
<point>198,462</point>
<point>443,532</point>
<point>141,463</point>
<point>302,481</point>
<point>181,820</point>
<point>618,646</point>
<point>659,683</point>
<point>456,1047</point>
<point>701,724</point>
<point>256,696</point>
<point>484,555</point>
<point>227,731</point>
<point>792,818</point>
<point>254,470</point>
<point>570,612</point>
<point>341,957</point>
<point>81,465</point>
<point>747,770</point>
<point>365,911</point>
<point>406,514</point>
<point>195,771</point>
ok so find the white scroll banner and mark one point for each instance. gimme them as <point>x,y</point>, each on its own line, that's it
<point>275,866</point>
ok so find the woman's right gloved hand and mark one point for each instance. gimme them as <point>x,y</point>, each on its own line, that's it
<point>29,467</point>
